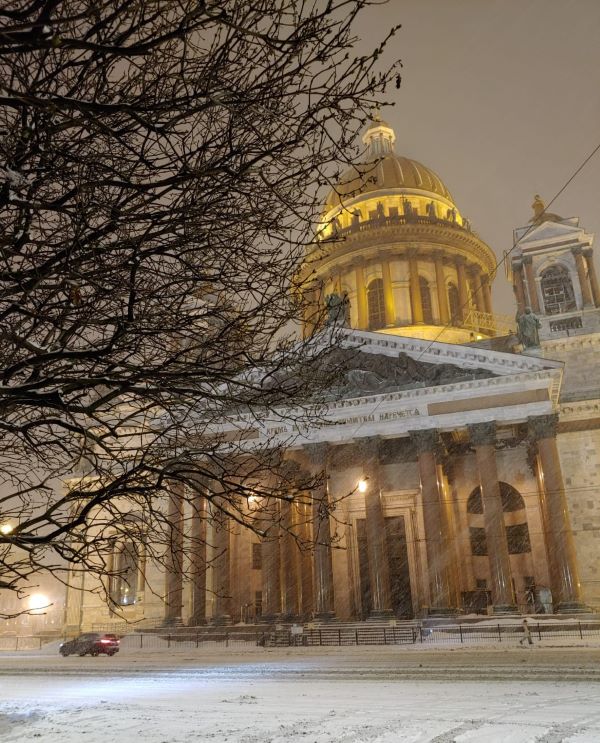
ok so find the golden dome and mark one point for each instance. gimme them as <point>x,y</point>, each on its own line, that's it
<point>383,169</point>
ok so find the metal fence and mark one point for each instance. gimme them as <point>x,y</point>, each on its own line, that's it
<point>340,635</point>
<point>174,640</point>
<point>417,634</point>
<point>463,633</point>
<point>22,642</point>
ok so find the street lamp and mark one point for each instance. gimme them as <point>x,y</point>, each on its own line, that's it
<point>362,486</point>
<point>6,528</point>
<point>38,602</point>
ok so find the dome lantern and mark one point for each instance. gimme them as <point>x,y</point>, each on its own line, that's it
<point>379,138</point>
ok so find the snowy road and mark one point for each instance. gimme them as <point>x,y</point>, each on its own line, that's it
<point>360,695</point>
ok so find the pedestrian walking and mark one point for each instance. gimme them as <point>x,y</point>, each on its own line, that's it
<point>526,634</point>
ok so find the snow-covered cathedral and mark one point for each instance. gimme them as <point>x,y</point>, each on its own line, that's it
<point>471,451</point>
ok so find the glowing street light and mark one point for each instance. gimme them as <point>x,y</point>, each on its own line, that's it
<point>362,486</point>
<point>6,529</point>
<point>38,602</point>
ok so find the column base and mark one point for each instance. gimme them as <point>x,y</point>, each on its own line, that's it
<point>173,622</point>
<point>572,607</point>
<point>504,609</point>
<point>289,617</point>
<point>271,618</point>
<point>381,614</point>
<point>197,622</point>
<point>441,611</point>
<point>325,616</point>
<point>223,620</point>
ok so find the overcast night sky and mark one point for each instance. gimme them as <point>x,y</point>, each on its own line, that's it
<point>502,99</point>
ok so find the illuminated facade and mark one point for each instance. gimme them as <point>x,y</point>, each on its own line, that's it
<point>472,472</point>
<point>395,244</point>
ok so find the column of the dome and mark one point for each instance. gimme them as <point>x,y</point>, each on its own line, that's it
<point>586,293</point>
<point>487,293</point>
<point>388,294</point>
<point>589,259</point>
<point>477,292</point>
<point>361,297</point>
<point>534,301</point>
<point>519,285</point>
<point>442,294</point>
<point>463,295</point>
<point>416,304</point>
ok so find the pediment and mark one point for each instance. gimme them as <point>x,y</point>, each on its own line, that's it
<point>549,232</point>
<point>364,373</point>
<point>464,358</point>
<point>361,364</point>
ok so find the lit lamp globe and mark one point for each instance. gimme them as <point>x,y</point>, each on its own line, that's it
<point>5,529</point>
<point>362,486</point>
<point>38,603</point>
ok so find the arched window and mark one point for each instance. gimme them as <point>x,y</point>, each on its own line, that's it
<point>376,304</point>
<point>557,291</point>
<point>517,535</point>
<point>426,301</point>
<point>453,304</point>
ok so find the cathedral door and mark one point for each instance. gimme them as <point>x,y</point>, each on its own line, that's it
<point>402,604</point>
<point>401,594</point>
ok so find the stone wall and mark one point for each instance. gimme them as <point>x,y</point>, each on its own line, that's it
<point>580,460</point>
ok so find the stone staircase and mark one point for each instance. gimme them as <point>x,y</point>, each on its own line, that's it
<point>371,632</point>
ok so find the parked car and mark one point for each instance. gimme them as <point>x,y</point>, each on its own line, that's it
<point>93,643</point>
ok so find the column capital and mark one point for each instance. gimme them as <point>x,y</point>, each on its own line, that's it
<point>316,453</point>
<point>577,250</point>
<point>517,264</point>
<point>426,440</point>
<point>588,251</point>
<point>542,426</point>
<point>526,260</point>
<point>369,447</point>
<point>482,434</point>
<point>460,260</point>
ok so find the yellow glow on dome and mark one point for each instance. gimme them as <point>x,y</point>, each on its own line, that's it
<point>392,242</point>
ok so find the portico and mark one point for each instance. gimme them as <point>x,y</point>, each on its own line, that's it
<point>393,528</point>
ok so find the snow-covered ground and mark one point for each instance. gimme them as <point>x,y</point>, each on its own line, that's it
<point>419,694</point>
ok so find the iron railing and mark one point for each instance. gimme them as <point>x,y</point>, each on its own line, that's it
<point>331,635</point>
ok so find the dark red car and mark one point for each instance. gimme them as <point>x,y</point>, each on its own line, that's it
<point>93,643</point>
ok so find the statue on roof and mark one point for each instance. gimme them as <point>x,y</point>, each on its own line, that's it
<point>538,207</point>
<point>528,327</point>
<point>337,310</point>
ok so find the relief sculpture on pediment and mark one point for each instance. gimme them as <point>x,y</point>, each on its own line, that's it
<point>363,373</point>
